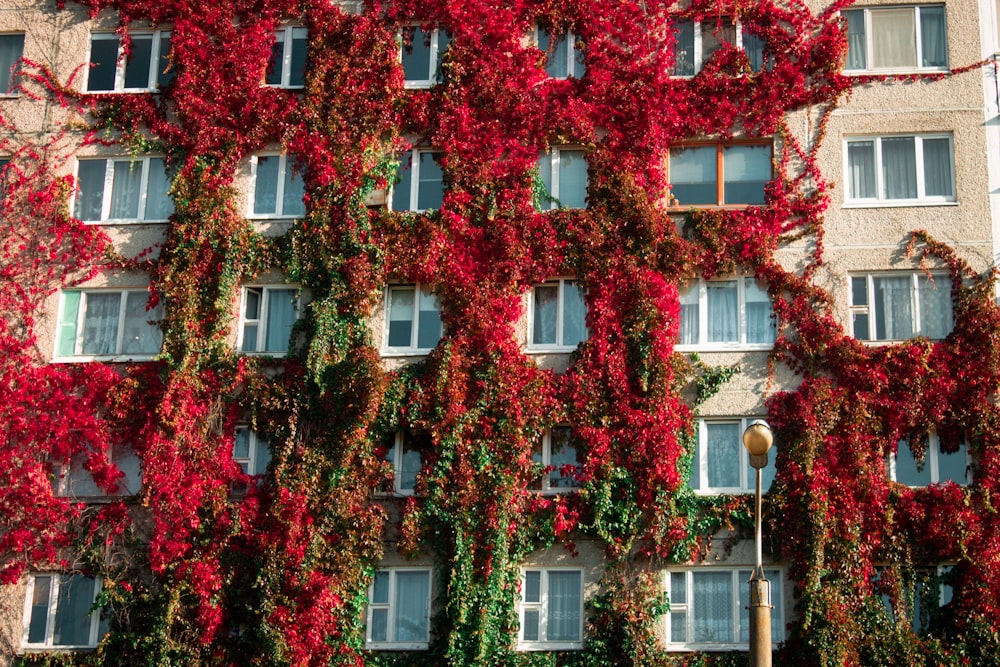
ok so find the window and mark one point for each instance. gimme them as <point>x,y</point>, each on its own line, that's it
<point>903,305</point>
<point>123,190</point>
<point>721,463</point>
<point>419,182</point>
<point>72,479</point>
<point>399,607</point>
<point>11,50</point>
<point>558,452</point>
<point>58,612</point>
<point>563,56</point>
<point>251,452</point>
<point>108,323</point>
<point>277,188</point>
<point>726,313</point>
<point>924,591</point>
<point>719,175</point>
<point>937,467</point>
<point>413,319</point>
<point>708,607</point>
<point>896,38</point>
<point>558,316</point>
<point>551,612</point>
<point>402,452</point>
<point>267,316</point>
<point>147,67</point>
<point>898,170</point>
<point>421,52</point>
<point>563,175</point>
<point>287,68</point>
<point>697,41</point>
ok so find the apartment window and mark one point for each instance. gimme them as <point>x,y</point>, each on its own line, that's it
<point>421,52</point>
<point>287,67</point>
<point>147,67</point>
<point>563,175</point>
<point>399,607</point>
<point>419,182</point>
<point>563,55</point>
<point>123,190</point>
<point>251,452</point>
<point>402,452</point>
<point>108,323</point>
<point>551,613</point>
<point>924,591</point>
<point>697,41</point>
<point>726,313</point>
<point>719,175</point>
<point>708,608</point>
<point>413,319</point>
<point>558,315</point>
<point>267,316</point>
<point>557,451</point>
<point>898,306</point>
<point>71,479</point>
<point>721,463</point>
<point>896,38</point>
<point>58,612</point>
<point>11,50</point>
<point>937,466</point>
<point>277,188</point>
<point>902,169</point>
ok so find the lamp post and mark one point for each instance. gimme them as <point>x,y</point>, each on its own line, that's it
<point>757,438</point>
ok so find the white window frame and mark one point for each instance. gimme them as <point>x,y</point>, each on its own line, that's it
<point>154,315</point>
<point>433,75</point>
<point>257,459</point>
<point>543,643</point>
<point>881,200</point>
<point>554,159</point>
<point>289,34</point>
<point>571,39</point>
<point>391,644</point>
<point>413,348</point>
<point>544,485</point>
<point>699,464</point>
<point>699,46</point>
<point>414,157</point>
<point>558,346</point>
<point>400,439</point>
<point>942,280</point>
<point>703,344</point>
<point>53,611</point>
<point>720,172</point>
<point>931,461</point>
<point>152,78</point>
<point>261,321</point>
<point>918,39</point>
<point>740,575</point>
<point>142,163</point>
<point>10,76</point>
<point>279,195</point>
<point>64,473</point>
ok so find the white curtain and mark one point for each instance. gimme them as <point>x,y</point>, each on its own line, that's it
<point>723,312</point>
<point>159,204</point>
<point>546,312</point>
<point>125,189</point>
<point>861,176</point>
<point>90,176</point>
<point>100,322</point>
<point>761,327</point>
<point>894,42</point>
<point>556,64</point>
<point>899,167</point>
<point>142,334</point>
<point>713,606</point>
<point>280,319</point>
<point>565,604</point>
<point>690,315</point>
<point>572,179</point>
<point>401,309</point>
<point>723,454</point>
<point>857,56</point>
<point>11,48</point>
<point>265,194</point>
<point>932,37</point>
<point>412,596</point>
<point>574,315</point>
<point>893,308</point>
<point>934,299</point>
<point>937,167</point>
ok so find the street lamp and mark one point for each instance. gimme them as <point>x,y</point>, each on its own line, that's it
<point>757,438</point>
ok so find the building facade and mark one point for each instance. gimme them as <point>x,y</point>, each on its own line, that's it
<point>426,333</point>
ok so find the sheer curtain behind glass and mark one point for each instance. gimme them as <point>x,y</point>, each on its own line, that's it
<point>546,311</point>
<point>934,298</point>
<point>574,315</point>
<point>862,178</point>
<point>565,603</point>
<point>72,622</point>
<point>723,454</point>
<point>857,56</point>
<point>280,319</point>
<point>760,323</point>
<point>894,38</point>
<point>142,334</point>
<point>11,48</point>
<point>572,179</point>
<point>934,52</point>
<point>723,312</point>
<point>893,308</point>
<point>159,204</point>
<point>125,190</point>
<point>265,197</point>
<point>100,322</point>
<point>937,167</point>
<point>412,595</point>
<point>713,606</point>
<point>899,167</point>
<point>689,315</point>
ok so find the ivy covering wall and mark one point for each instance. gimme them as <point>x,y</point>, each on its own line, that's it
<point>279,575</point>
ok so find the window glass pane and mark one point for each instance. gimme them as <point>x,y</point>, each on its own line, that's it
<point>857,57</point>
<point>412,595</point>
<point>678,626</point>
<point>723,455</point>
<point>572,179</point>
<point>401,310</point>
<point>266,185</point>
<point>545,176</point>
<point>11,49</point>
<point>125,190</point>
<point>934,298</point>
<point>862,180</point>
<point>140,335</point>
<point>761,327</point>
<point>713,606</point>
<point>530,630</point>
<point>72,624</point>
<point>557,63</point>
<point>444,39</point>
<point>694,478</point>
<point>164,70</point>
<point>565,605</point>
<point>746,170</point>
<point>379,629</point>
<point>574,315</point>
<point>103,63</point>
<point>262,457</point>
<point>406,476</point>
<point>429,324</point>
<point>753,45</point>
<point>39,609</point>
<point>68,323</point>
<point>859,291</point>
<point>893,307</point>
<point>532,586</point>
<point>380,587</point>
<point>713,35</point>
<point>100,323</point>
<point>137,65</point>
<point>274,66</point>
<point>678,588</point>
<point>546,307</point>
<point>292,205</point>
<point>723,312</point>
<point>693,175</point>
<point>416,54</point>
<point>281,317</point>
<point>690,315</point>
<point>564,459</point>
<point>430,191</point>
<point>934,51</point>
<point>908,472</point>
<point>297,74</point>
<point>899,167</point>
<point>89,201</point>
<point>953,466</point>
<point>894,42</point>
<point>159,204</point>
<point>684,49</point>
<point>937,168</point>
<point>401,190</point>
<point>241,446</point>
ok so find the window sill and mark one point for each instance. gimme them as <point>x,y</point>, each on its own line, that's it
<point>549,646</point>
<point>395,494</point>
<point>896,341</point>
<point>890,71</point>
<point>104,358</point>
<point>255,217</point>
<point>396,646</point>
<point>710,647</point>
<point>899,203</point>
<point>555,492</point>
<point>126,91</point>
<point>419,85</point>
<point>725,347</point>
<point>268,355</point>
<point>555,349</point>
<point>393,354</point>
<point>125,221</point>
<point>684,208</point>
